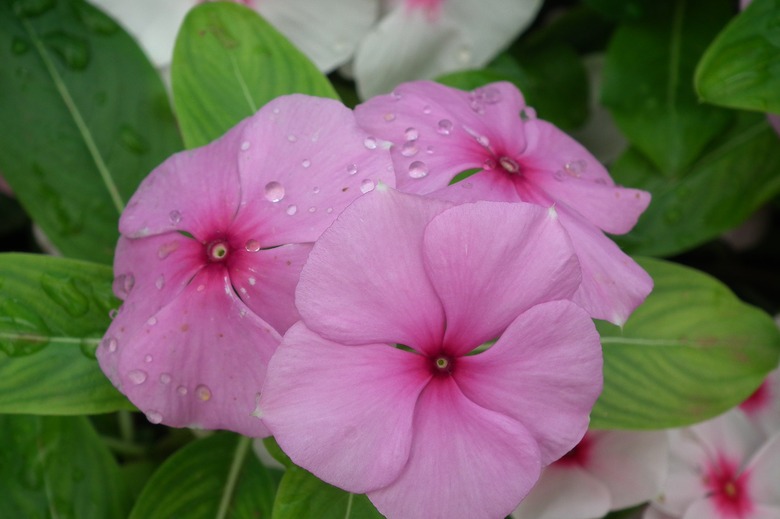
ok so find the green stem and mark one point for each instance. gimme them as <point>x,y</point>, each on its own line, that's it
<point>232,479</point>
<point>126,431</point>
<point>123,447</point>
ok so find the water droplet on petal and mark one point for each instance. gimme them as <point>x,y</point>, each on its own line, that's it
<point>395,95</point>
<point>315,190</point>
<point>329,210</point>
<point>409,149</point>
<point>306,163</point>
<point>203,393</point>
<point>154,417</point>
<point>367,185</point>
<point>175,217</point>
<point>489,163</point>
<point>575,168</point>
<point>291,210</point>
<point>137,376</point>
<point>418,169</point>
<point>276,110</point>
<point>352,169</point>
<point>370,143</point>
<point>312,209</point>
<point>527,113</point>
<point>444,127</point>
<point>559,175</point>
<point>429,150</point>
<point>389,117</point>
<point>274,191</point>
<point>165,378</point>
<point>292,138</point>
<point>123,284</point>
<point>160,282</point>
<point>148,359</point>
<point>245,145</point>
<point>201,288</point>
<point>113,313</point>
<point>489,95</point>
<point>166,249</point>
<point>252,246</point>
<point>483,141</point>
<point>411,134</point>
<point>426,109</point>
<point>181,390</point>
<point>110,343</point>
<point>252,281</point>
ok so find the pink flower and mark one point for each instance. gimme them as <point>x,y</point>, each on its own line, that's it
<point>439,132</point>
<point>721,469</point>
<point>763,406</point>
<point>607,470</point>
<point>211,249</point>
<point>427,429</point>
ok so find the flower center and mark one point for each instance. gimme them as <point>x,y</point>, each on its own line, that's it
<point>728,488</point>
<point>442,365</point>
<point>217,250</point>
<point>510,165</point>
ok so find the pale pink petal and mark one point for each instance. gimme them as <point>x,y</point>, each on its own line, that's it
<point>565,493</point>
<point>466,462</point>
<point>485,185</point>
<point>198,362</point>
<point>763,407</point>
<point>342,412</point>
<point>613,285</point>
<point>632,464</point>
<point>730,435</point>
<point>484,284</point>
<point>651,512</point>
<point>544,372</point>
<point>327,32</point>
<point>302,160</point>
<point>265,280</point>
<point>708,509</point>
<point>764,473</point>
<point>365,281</point>
<point>196,191</point>
<point>434,130</point>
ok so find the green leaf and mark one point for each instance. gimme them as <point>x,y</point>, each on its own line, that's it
<point>727,184</point>
<point>302,496</point>
<point>648,83</point>
<point>53,312</point>
<point>217,477</point>
<point>227,63</point>
<point>57,467</point>
<point>741,69</point>
<point>690,352</point>
<point>85,118</point>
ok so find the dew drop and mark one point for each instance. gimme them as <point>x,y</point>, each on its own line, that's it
<point>73,50</point>
<point>367,185</point>
<point>252,281</point>
<point>489,163</point>
<point>148,359</point>
<point>276,111</point>
<point>181,390</point>
<point>166,249</point>
<point>426,109</point>
<point>559,175</point>
<point>329,210</point>
<point>252,246</point>
<point>409,149</point>
<point>245,145</point>
<point>201,288</point>
<point>274,191</point>
<point>113,313</point>
<point>137,376</point>
<point>395,95</point>
<point>160,282</point>
<point>527,113</point>
<point>418,169</point>
<point>174,216</point>
<point>291,210</point>
<point>575,168</point>
<point>483,141</point>
<point>389,117</point>
<point>429,150</point>
<point>111,344</point>
<point>306,163</point>
<point>312,209</point>
<point>165,378</point>
<point>352,169</point>
<point>152,321</point>
<point>488,95</point>
<point>411,134</point>
<point>444,127</point>
<point>315,190</point>
<point>203,393</point>
<point>123,284</point>
<point>370,143</point>
<point>154,417</point>
<point>292,138</point>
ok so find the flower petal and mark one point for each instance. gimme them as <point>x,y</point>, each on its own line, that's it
<point>327,32</point>
<point>198,362</point>
<point>266,280</point>
<point>369,265</point>
<point>466,462</point>
<point>343,412</point>
<point>613,285</point>
<point>545,372</point>
<point>195,191</point>
<point>632,464</point>
<point>707,508</point>
<point>565,492</point>
<point>302,161</point>
<point>762,480</point>
<point>434,128</point>
<point>484,284</point>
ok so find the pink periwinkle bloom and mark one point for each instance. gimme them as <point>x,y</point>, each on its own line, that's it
<point>724,468</point>
<point>211,249</point>
<point>763,406</point>
<point>379,391</point>
<point>607,470</point>
<point>439,132</point>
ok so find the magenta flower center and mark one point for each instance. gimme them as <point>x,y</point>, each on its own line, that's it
<point>758,401</point>
<point>579,455</point>
<point>509,165</point>
<point>442,365</point>
<point>217,250</point>
<point>728,489</point>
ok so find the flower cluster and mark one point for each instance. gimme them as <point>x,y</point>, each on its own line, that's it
<point>315,275</point>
